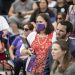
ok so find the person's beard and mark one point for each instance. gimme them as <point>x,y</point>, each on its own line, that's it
<point>63,37</point>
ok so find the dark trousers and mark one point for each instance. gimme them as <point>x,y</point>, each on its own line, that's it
<point>18,63</point>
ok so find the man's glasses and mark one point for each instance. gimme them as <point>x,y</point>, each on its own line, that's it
<point>26,29</point>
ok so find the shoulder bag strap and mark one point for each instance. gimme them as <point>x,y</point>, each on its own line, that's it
<point>25,41</point>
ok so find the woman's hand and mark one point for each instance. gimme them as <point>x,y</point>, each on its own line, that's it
<point>29,52</point>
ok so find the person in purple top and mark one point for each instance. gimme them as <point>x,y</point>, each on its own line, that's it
<point>15,54</point>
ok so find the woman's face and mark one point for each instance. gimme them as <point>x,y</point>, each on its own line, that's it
<point>57,52</point>
<point>26,30</point>
<point>43,4</point>
<point>41,20</point>
<point>59,18</point>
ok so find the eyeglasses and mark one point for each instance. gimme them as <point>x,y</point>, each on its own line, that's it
<point>26,29</point>
<point>59,18</point>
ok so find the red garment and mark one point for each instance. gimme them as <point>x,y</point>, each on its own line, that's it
<point>40,46</point>
<point>2,54</point>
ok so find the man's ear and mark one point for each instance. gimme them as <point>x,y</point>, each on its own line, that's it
<point>68,34</point>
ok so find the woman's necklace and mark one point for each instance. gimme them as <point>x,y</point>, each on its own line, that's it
<point>43,39</point>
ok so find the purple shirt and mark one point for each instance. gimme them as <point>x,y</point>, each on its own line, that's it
<point>17,44</point>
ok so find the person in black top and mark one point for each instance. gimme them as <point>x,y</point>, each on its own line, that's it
<point>43,8</point>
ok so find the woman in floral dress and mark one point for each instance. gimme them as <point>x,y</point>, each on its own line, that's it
<point>41,43</point>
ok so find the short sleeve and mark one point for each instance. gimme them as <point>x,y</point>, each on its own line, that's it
<point>14,43</point>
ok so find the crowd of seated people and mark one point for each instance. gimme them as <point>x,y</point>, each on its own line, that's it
<point>41,25</point>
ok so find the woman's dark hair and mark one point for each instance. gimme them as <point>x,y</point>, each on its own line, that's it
<point>67,57</point>
<point>49,27</point>
<point>30,26</point>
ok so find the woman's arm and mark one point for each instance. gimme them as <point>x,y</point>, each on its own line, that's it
<point>11,51</point>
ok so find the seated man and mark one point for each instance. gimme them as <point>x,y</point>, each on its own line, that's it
<point>19,9</point>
